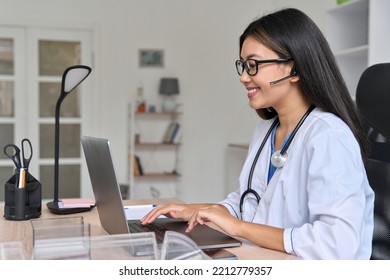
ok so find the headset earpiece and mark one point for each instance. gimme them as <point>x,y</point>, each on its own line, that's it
<point>293,72</point>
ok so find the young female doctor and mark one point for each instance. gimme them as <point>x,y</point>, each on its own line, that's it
<point>303,188</point>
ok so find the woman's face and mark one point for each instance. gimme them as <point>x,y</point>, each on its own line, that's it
<point>259,91</point>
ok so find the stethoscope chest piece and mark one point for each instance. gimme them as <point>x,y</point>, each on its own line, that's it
<point>278,159</point>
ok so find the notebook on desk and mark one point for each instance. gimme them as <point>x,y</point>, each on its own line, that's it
<point>110,207</point>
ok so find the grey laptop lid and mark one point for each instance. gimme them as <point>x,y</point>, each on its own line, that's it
<point>104,184</point>
<point>110,206</point>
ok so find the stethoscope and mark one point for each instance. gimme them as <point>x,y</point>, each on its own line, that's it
<point>278,158</point>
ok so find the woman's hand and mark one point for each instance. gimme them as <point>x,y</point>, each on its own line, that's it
<point>216,214</point>
<point>265,236</point>
<point>177,211</point>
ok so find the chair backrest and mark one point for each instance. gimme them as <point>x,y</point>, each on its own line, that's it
<point>373,103</point>
<point>373,97</point>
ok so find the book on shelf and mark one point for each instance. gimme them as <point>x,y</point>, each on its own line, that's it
<point>171,133</point>
<point>168,132</point>
<point>138,170</point>
<point>177,136</point>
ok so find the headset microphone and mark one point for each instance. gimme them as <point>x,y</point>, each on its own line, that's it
<point>294,73</point>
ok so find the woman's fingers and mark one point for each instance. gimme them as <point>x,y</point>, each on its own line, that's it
<point>199,217</point>
<point>155,213</point>
<point>216,214</point>
<point>172,211</point>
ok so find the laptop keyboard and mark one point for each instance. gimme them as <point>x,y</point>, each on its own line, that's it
<point>158,230</point>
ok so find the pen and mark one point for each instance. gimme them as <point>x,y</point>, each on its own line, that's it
<point>140,206</point>
<point>22,178</point>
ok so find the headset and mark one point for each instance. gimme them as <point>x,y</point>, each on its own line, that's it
<point>292,74</point>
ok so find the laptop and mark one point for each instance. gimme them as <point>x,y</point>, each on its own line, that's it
<point>110,206</point>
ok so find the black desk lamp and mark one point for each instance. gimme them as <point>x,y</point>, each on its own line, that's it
<point>72,77</point>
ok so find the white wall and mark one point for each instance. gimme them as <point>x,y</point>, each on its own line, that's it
<point>200,40</point>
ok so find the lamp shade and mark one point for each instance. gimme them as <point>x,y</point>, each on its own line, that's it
<point>169,86</point>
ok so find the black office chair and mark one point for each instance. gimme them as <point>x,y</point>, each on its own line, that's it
<point>373,103</point>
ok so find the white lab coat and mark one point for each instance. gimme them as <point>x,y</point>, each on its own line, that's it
<point>321,197</point>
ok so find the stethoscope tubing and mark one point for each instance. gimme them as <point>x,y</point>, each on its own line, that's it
<point>275,123</point>
<point>301,121</point>
<point>249,189</point>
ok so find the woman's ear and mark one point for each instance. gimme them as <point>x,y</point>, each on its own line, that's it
<point>294,75</point>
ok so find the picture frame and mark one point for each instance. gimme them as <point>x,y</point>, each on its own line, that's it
<point>151,58</point>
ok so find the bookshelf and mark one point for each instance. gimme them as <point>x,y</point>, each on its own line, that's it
<point>356,31</point>
<point>154,142</point>
<point>239,146</point>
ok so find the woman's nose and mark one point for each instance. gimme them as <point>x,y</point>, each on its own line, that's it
<point>244,78</point>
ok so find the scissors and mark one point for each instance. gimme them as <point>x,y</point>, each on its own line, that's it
<point>13,152</point>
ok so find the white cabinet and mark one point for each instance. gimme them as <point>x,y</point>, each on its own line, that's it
<point>153,161</point>
<point>32,61</point>
<point>357,32</point>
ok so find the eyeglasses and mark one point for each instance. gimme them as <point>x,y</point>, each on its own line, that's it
<point>251,66</point>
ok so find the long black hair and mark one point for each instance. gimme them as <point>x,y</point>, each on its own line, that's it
<point>291,33</point>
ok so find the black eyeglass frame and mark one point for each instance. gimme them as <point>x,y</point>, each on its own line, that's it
<point>257,62</point>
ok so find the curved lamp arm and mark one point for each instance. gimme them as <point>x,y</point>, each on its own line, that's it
<point>71,78</point>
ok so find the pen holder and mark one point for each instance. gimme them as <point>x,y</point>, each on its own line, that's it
<point>22,203</point>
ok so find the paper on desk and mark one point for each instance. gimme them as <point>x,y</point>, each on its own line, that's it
<point>76,203</point>
<point>136,212</point>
